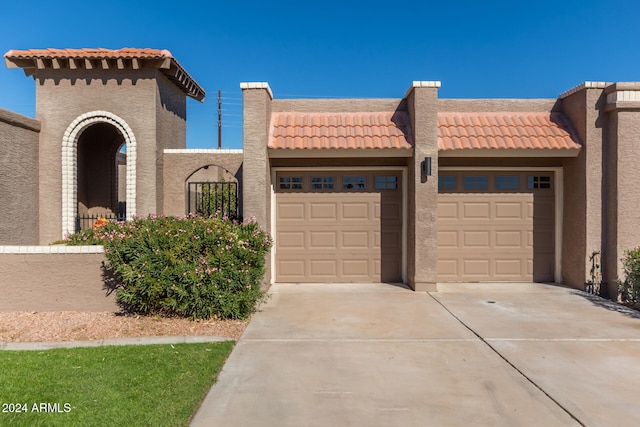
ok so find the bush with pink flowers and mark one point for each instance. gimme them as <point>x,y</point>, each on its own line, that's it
<point>190,267</point>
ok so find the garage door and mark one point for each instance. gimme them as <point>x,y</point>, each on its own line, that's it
<point>496,226</point>
<point>338,226</point>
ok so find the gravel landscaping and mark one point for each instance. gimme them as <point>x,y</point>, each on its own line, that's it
<point>31,326</point>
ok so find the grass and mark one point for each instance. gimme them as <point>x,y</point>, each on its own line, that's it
<point>155,385</point>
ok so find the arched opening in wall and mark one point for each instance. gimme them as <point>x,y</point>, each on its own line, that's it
<point>115,130</point>
<point>212,190</point>
<point>101,174</point>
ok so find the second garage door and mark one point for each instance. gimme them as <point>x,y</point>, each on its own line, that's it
<point>338,226</point>
<point>496,226</point>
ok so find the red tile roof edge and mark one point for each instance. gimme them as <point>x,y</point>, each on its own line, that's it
<point>188,85</point>
<point>90,53</point>
<point>512,130</point>
<point>393,130</point>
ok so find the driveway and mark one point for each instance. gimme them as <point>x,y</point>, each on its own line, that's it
<point>470,354</point>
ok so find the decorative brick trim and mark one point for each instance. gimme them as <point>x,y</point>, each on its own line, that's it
<point>623,96</point>
<point>54,249</point>
<point>426,83</point>
<point>257,85</point>
<point>433,84</point>
<point>201,151</point>
<point>70,164</point>
<point>581,86</point>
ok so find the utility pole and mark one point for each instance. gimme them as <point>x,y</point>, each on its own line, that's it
<point>219,121</point>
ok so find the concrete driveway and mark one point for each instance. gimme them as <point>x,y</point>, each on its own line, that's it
<point>470,354</point>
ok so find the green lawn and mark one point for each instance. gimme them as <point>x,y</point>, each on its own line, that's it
<point>155,385</point>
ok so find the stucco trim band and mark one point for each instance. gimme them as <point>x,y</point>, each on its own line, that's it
<point>53,249</point>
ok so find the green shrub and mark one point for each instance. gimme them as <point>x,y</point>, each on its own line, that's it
<point>190,267</point>
<point>629,288</point>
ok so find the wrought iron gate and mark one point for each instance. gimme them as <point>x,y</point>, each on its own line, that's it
<point>88,220</point>
<point>213,198</point>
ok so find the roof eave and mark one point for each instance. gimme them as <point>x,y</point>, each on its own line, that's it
<point>289,153</point>
<point>167,64</point>
<point>511,152</point>
<point>177,74</point>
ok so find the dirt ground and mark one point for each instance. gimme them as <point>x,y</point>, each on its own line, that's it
<point>28,326</point>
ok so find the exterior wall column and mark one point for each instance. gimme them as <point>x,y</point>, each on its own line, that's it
<point>583,207</point>
<point>621,178</point>
<point>256,173</point>
<point>422,206</point>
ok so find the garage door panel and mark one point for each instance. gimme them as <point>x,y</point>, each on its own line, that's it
<point>544,212</point>
<point>290,268</point>
<point>327,234</point>
<point>291,211</point>
<point>355,211</point>
<point>476,267</point>
<point>543,267</point>
<point>388,211</point>
<point>321,268</point>
<point>323,239</point>
<point>355,239</point>
<point>390,241</point>
<point>390,268</point>
<point>322,211</point>
<point>447,209</point>
<point>447,239</point>
<point>476,239</point>
<point>510,210</point>
<point>291,239</point>
<point>355,268</point>
<point>507,268</point>
<point>544,240</point>
<point>448,268</point>
<point>496,234</point>
<point>510,239</point>
<point>476,210</point>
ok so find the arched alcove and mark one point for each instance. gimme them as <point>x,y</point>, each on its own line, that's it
<point>89,167</point>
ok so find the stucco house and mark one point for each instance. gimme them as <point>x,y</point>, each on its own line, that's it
<point>415,190</point>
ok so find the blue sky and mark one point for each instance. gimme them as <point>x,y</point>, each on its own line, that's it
<point>372,49</point>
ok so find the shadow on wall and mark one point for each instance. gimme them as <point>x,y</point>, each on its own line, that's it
<point>110,280</point>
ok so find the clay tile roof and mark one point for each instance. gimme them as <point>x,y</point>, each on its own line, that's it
<point>33,59</point>
<point>90,53</point>
<point>295,130</point>
<point>505,130</point>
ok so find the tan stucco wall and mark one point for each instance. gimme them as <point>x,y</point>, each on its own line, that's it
<point>422,215</point>
<point>53,282</point>
<point>178,167</point>
<point>622,192</point>
<point>256,170</point>
<point>171,126</point>
<point>336,105</point>
<point>18,179</point>
<point>493,105</point>
<point>582,208</point>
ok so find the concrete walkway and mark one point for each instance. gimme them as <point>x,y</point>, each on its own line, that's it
<point>469,355</point>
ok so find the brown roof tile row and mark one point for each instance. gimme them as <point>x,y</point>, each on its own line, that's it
<point>505,130</point>
<point>90,53</point>
<point>340,130</point>
<point>456,131</point>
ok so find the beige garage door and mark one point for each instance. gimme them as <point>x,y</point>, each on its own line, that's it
<point>496,227</point>
<point>338,227</point>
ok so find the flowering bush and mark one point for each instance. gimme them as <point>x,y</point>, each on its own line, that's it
<point>629,288</point>
<point>101,222</point>
<point>191,267</point>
